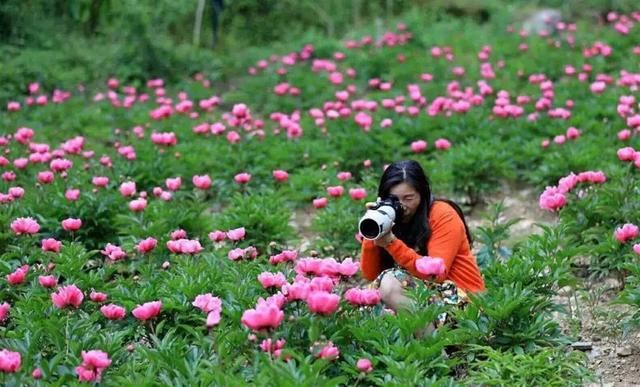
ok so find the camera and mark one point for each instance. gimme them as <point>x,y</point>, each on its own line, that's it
<point>378,220</point>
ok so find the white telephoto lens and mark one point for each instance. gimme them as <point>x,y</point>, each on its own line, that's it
<point>376,223</point>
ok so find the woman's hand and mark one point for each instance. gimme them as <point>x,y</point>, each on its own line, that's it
<point>384,240</point>
<point>370,205</point>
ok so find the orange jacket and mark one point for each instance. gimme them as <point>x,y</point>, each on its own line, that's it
<point>448,241</point>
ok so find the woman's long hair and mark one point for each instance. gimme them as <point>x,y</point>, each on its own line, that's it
<point>416,232</point>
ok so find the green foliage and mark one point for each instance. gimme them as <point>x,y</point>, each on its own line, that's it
<point>493,236</point>
<point>476,169</point>
<point>265,214</point>
<point>631,294</point>
<point>549,367</point>
<point>337,225</point>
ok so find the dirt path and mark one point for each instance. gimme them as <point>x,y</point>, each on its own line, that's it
<point>598,325</point>
<point>301,220</point>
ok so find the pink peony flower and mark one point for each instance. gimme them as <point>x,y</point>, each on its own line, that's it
<point>16,192</point>
<point>298,290</point>
<point>146,245</point>
<point>348,268</point>
<point>115,253</point>
<point>284,256</point>
<point>636,248</point>
<point>178,234</point>
<point>560,139</point>
<point>217,236</point>
<point>207,303</point>
<point>320,203</point>
<point>60,165</point>
<point>36,374</point>
<point>268,279</point>
<point>20,163</point>
<point>72,194</point>
<point>164,138</point>
<point>100,181</point>
<point>18,276</point>
<point>236,234</point>
<point>13,106</point>
<point>363,120</point>
<point>552,200</point>
<point>113,312</point>
<point>184,246</point>
<point>627,232</point>
<point>67,296</point>
<point>364,365</point>
<point>430,266</point>
<point>9,361</point>
<point>357,296</point>
<point>45,177</point>
<point>51,244</point>
<point>173,184</point>
<point>71,224</point>
<point>324,284</point>
<point>329,352</point>
<point>48,281</point>
<point>128,188</point>
<point>240,110</point>
<point>235,254</point>
<point>280,175</point>
<point>335,191</point>
<point>267,345</point>
<point>98,296</point>
<point>93,364</point>
<point>418,146</point>
<point>242,178</point>
<point>201,182</point>
<point>322,302</point>
<point>624,134</point>
<point>626,154</point>
<point>442,144</point>
<point>386,123</point>
<point>147,310</point>
<point>4,311</point>
<point>233,137</point>
<point>265,315</point>
<point>573,133</point>
<point>138,205</point>
<point>598,87</point>
<point>344,176</point>
<point>357,193</point>
<point>25,226</point>
<point>213,318</point>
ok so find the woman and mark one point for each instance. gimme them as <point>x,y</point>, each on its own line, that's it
<point>428,227</point>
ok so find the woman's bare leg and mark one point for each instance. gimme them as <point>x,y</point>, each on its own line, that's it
<point>392,294</point>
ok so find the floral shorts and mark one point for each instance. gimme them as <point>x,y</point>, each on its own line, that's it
<point>445,293</point>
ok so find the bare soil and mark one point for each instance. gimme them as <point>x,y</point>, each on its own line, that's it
<point>301,220</point>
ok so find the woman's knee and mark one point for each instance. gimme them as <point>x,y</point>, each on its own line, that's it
<point>390,288</point>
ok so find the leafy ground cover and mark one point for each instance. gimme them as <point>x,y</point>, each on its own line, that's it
<point>147,235</point>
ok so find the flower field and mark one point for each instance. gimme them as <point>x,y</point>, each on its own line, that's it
<point>150,231</point>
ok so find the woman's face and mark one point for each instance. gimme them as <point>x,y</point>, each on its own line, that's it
<point>409,198</point>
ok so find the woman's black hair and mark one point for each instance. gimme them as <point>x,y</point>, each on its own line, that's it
<point>416,232</point>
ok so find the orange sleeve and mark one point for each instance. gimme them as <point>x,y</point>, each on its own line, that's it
<point>447,233</point>
<point>370,262</point>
